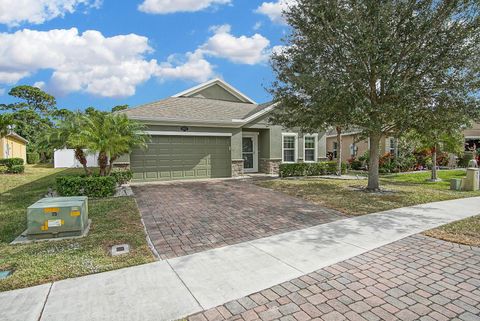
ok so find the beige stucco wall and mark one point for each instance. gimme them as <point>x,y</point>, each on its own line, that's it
<point>14,147</point>
<point>362,145</point>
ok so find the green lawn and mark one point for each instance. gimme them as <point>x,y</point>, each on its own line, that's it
<point>114,221</point>
<point>465,232</point>
<point>423,177</point>
<point>400,190</point>
<point>347,195</point>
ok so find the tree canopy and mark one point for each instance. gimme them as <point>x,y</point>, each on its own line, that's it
<point>378,65</point>
<point>32,115</point>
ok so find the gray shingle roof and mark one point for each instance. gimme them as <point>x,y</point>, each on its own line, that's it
<point>194,110</point>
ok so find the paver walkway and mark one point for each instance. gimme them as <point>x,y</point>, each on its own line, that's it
<point>417,278</point>
<point>178,287</point>
<point>186,218</point>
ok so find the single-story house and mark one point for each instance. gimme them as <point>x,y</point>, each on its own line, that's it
<point>472,137</point>
<point>13,146</point>
<point>354,145</point>
<point>214,131</point>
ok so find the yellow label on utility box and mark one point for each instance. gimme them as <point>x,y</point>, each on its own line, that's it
<point>51,210</point>
<point>75,213</point>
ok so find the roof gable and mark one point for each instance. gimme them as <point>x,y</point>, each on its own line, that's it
<point>216,89</point>
<point>16,136</point>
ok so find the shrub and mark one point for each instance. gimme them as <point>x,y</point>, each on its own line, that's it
<point>310,169</point>
<point>91,186</point>
<point>365,158</point>
<point>33,158</point>
<point>465,159</point>
<point>12,166</point>
<point>355,164</point>
<point>15,169</point>
<point>405,163</point>
<point>122,176</point>
<point>443,159</point>
<point>9,162</point>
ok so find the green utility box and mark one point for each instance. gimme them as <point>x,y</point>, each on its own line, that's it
<point>57,217</point>
<point>456,184</point>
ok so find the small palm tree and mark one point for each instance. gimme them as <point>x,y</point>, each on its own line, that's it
<point>65,135</point>
<point>111,135</point>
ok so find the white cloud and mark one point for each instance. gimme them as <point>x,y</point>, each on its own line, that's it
<point>89,62</point>
<point>92,63</point>
<point>257,25</point>
<point>274,10</point>
<point>191,67</point>
<point>243,49</point>
<point>15,12</point>
<point>171,6</point>
<point>40,84</point>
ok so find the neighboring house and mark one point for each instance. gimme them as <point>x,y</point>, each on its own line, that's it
<point>354,145</point>
<point>13,146</point>
<point>472,138</point>
<point>213,131</point>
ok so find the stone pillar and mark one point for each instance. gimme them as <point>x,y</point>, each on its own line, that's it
<point>237,168</point>
<point>472,182</point>
<point>269,166</point>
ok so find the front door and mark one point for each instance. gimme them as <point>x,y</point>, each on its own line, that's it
<point>250,156</point>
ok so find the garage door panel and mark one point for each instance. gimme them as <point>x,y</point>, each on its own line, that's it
<point>182,157</point>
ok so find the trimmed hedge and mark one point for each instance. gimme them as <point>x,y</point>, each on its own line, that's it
<point>15,169</point>
<point>33,158</point>
<point>9,162</point>
<point>122,176</point>
<point>310,169</point>
<point>12,165</point>
<point>91,186</point>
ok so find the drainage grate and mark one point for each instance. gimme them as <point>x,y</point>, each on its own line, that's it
<point>5,274</point>
<point>120,249</point>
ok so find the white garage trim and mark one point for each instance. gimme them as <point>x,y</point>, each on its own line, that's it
<point>163,133</point>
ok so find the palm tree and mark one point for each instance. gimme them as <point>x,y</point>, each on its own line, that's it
<point>65,135</point>
<point>111,135</point>
<point>6,121</point>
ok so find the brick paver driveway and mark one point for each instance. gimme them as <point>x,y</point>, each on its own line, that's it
<point>417,278</point>
<point>185,218</point>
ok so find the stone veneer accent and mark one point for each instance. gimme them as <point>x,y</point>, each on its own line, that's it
<point>269,166</point>
<point>237,168</point>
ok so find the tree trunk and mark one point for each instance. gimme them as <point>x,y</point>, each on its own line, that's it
<point>373,164</point>
<point>110,166</point>
<point>80,156</point>
<point>102,163</point>
<point>434,164</point>
<point>339,151</point>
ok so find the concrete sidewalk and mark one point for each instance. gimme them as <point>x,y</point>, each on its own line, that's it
<point>178,287</point>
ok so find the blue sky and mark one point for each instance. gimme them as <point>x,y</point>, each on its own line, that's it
<point>106,53</point>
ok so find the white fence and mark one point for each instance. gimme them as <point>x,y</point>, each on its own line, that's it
<point>65,158</point>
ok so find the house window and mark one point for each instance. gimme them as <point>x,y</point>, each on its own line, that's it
<point>353,150</point>
<point>392,146</point>
<point>335,149</point>
<point>289,148</point>
<point>310,148</point>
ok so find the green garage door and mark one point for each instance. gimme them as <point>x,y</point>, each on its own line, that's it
<point>182,157</point>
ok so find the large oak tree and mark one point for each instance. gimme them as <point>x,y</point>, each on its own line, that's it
<point>378,65</point>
